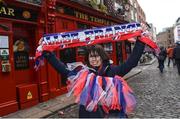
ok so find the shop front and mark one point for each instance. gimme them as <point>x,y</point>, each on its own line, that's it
<point>21,27</point>
<point>18,35</point>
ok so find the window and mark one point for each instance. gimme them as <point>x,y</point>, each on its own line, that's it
<point>108,47</point>
<point>83,26</point>
<point>135,6</point>
<point>169,36</point>
<point>136,18</point>
<point>81,50</point>
<point>21,54</point>
<point>132,15</point>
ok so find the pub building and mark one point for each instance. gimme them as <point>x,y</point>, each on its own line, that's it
<point>22,24</point>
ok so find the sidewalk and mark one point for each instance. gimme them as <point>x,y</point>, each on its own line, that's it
<point>51,106</point>
<point>148,63</point>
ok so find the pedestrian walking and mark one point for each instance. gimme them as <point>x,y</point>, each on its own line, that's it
<point>170,55</point>
<point>97,62</point>
<point>161,58</point>
<point>176,56</point>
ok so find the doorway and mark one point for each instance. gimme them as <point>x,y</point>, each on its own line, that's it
<point>24,52</point>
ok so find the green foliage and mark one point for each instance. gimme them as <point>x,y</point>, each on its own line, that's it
<point>125,1</point>
<point>103,8</point>
<point>94,4</point>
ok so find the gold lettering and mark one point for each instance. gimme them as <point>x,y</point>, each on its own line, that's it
<point>7,11</point>
<point>92,18</point>
<point>95,19</point>
<point>81,15</point>
<point>3,10</point>
<point>86,17</point>
<point>11,12</point>
<point>77,14</point>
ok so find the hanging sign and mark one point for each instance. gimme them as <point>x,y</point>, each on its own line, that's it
<point>14,12</point>
<point>83,15</point>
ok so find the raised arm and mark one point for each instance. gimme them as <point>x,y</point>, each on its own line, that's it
<point>132,61</point>
<point>59,66</point>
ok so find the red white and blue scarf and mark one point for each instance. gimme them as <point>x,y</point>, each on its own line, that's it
<point>56,41</point>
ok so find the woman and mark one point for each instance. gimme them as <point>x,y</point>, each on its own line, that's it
<point>98,63</point>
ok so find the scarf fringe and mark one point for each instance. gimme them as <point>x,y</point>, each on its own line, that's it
<point>88,91</point>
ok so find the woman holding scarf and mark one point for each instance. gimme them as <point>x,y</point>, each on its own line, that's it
<point>98,63</point>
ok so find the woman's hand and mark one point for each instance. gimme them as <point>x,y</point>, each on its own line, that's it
<point>40,41</point>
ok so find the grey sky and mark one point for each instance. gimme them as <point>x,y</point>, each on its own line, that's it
<point>162,13</point>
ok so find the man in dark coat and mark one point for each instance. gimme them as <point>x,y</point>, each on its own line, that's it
<point>176,55</point>
<point>161,58</point>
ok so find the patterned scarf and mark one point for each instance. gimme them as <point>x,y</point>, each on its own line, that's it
<point>56,41</point>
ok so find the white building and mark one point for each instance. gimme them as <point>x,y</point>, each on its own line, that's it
<point>152,30</point>
<point>177,31</point>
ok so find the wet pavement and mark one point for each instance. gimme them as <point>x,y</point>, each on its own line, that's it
<point>157,95</point>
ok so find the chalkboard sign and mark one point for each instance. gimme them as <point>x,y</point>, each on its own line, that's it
<point>21,60</point>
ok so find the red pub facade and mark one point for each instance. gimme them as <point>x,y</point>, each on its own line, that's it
<point>22,24</point>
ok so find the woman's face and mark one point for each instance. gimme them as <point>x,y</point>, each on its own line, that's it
<point>94,59</point>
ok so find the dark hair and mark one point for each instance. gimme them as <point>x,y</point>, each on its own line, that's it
<point>99,49</point>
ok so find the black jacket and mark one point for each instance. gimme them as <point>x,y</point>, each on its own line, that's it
<point>162,54</point>
<point>176,52</point>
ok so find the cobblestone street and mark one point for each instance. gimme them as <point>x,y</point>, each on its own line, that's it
<point>158,95</point>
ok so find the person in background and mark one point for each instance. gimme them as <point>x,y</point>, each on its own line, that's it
<point>170,55</point>
<point>161,58</point>
<point>174,62</point>
<point>176,56</point>
<point>98,62</point>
